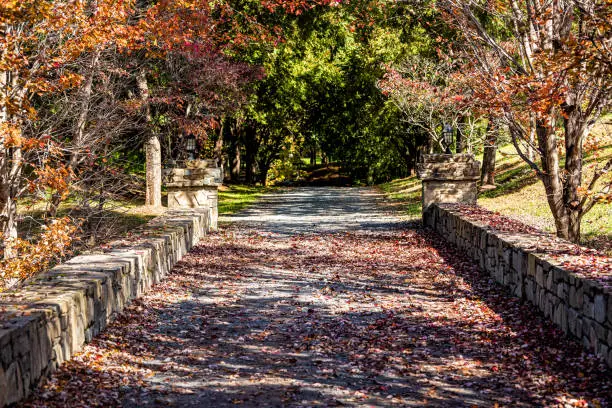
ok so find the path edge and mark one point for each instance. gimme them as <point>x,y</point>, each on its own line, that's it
<point>578,305</point>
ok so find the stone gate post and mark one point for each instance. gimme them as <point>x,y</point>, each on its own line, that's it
<point>448,178</point>
<point>195,186</point>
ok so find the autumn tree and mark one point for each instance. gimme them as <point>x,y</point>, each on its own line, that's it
<point>549,81</point>
<point>39,42</point>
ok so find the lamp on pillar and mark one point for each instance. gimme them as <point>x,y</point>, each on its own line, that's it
<point>447,138</point>
<point>190,146</point>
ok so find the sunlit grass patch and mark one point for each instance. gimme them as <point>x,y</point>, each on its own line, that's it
<point>234,198</point>
<point>521,195</point>
<point>405,192</point>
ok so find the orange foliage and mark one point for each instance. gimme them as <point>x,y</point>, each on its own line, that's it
<point>35,257</point>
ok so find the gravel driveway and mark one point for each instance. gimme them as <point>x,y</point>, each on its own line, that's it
<point>322,297</point>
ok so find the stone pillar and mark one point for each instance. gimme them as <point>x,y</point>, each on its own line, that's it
<point>448,178</point>
<point>195,186</point>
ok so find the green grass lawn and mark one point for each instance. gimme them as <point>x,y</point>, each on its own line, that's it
<point>520,195</point>
<point>405,192</point>
<point>234,198</point>
<point>120,217</point>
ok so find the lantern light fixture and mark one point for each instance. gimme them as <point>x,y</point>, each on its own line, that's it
<point>447,138</point>
<point>190,146</point>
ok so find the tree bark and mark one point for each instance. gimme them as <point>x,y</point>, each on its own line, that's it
<point>234,149</point>
<point>487,173</point>
<point>575,128</point>
<point>10,177</point>
<point>251,145</point>
<point>11,174</point>
<point>264,168</point>
<point>551,177</point>
<point>153,175</point>
<point>313,155</point>
<point>235,171</point>
<point>153,171</point>
<point>460,139</point>
<point>218,150</point>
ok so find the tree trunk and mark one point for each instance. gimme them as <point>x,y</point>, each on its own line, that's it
<point>460,143</point>
<point>487,173</point>
<point>8,210</point>
<point>251,146</point>
<point>8,221</point>
<point>234,150</point>
<point>264,168</point>
<point>551,178</point>
<point>575,129</point>
<point>218,150</point>
<point>10,175</point>
<point>153,171</point>
<point>313,155</point>
<point>10,172</point>
<point>532,141</point>
<point>235,171</point>
<point>153,175</point>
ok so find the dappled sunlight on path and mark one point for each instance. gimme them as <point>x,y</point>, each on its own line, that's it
<point>318,297</point>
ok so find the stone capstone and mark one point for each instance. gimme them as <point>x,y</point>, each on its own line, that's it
<point>195,186</point>
<point>448,179</point>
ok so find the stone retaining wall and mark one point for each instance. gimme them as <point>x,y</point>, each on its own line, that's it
<point>580,306</point>
<point>46,322</point>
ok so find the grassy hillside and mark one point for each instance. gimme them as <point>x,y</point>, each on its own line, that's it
<point>520,195</point>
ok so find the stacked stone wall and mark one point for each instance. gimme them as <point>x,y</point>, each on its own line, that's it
<point>48,320</point>
<point>579,306</point>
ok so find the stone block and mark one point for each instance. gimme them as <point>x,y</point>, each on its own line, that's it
<point>549,280</point>
<point>576,296</point>
<point>449,191</point>
<point>531,264</point>
<point>560,275</point>
<point>588,308</point>
<point>530,290</point>
<point>602,350</point>
<point>4,389</point>
<point>519,288</point>
<point>609,311</point>
<point>507,256</point>
<point>579,326</point>
<point>14,383</point>
<point>600,305</point>
<point>519,261</point>
<point>600,331</point>
<point>6,347</point>
<point>562,291</point>
<point>542,299</point>
<point>539,276</point>
<point>572,316</point>
<point>548,307</point>
<point>560,317</point>
<point>483,239</point>
<point>589,332</point>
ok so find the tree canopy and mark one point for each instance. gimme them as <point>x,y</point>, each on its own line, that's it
<point>97,95</point>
